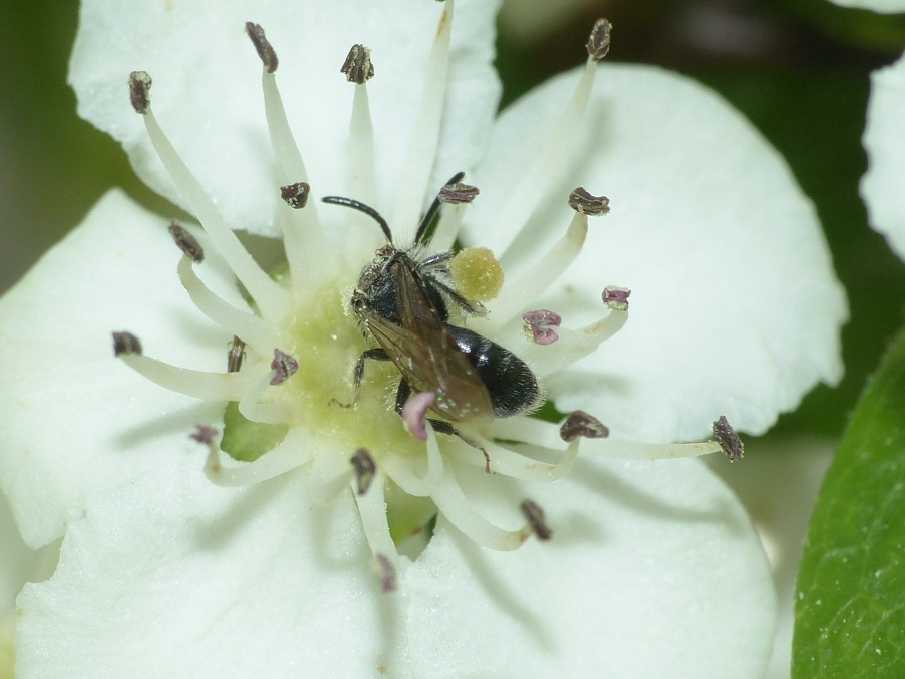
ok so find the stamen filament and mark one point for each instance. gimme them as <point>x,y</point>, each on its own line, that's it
<point>271,298</point>
<point>401,473</point>
<point>303,236</point>
<point>372,509</point>
<point>447,494</point>
<point>361,147</point>
<point>449,226</point>
<point>423,145</point>
<point>515,465</point>
<point>253,406</point>
<point>288,455</point>
<point>527,285</point>
<point>248,326</point>
<point>196,384</point>
<point>545,171</point>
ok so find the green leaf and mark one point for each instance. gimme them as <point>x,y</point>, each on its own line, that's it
<point>850,612</point>
<point>245,440</point>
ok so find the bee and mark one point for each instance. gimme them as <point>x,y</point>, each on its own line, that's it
<point>402,301</point>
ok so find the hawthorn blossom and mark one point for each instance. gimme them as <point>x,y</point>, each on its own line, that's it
<point>652,567</point>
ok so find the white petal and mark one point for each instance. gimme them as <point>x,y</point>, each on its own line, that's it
<point>80,421</point>
<point>778,484</point>
<point>881,187</point>
<point>16,564</point>
<point>653,571</point>
<point>884,6</point>
<point>735,309</point>
<point>207,89</point>
<point>180,578</point>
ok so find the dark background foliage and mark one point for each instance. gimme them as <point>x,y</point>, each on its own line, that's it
<point>799,69</point>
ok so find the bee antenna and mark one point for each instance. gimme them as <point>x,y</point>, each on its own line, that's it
<point>361,207</point>
<point>422,234</point>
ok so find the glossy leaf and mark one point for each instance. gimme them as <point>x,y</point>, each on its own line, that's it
<point>850,612</point>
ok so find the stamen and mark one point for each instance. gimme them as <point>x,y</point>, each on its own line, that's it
<point>454,506</point>
<point>201,385</point>
<point>423,145</point>
<point>358,67</point>
<point>365,469</point>
<point>400,471</point>
<point>271,298</point>
<point>256,407</point>
<point>140,91</point>
<point>535,516</point>
<point>284,366</point>
<point>387,574</point>
<point>573,345</point>
<point>599,41</point>
<point>372,510</point>
<point>125,344</point>
<point>729,440</point>
<point>588,204</point>
<point>580,424</point>
<point>236,356</point>
<point>186,242</point>
<point>458,194</point>
<point>515,465</point>
<point>547,168</point>
<point>541,324</point>
<point>262,45</point>
<point>414,412</point>
<point>296,195</point>
<point>248,325</point>
<point>536,279</point>
<point>303,237</point>
<point>616,297</point>
<point>288,455</point>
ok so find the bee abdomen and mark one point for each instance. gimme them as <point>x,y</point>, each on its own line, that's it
<point>512,386</point>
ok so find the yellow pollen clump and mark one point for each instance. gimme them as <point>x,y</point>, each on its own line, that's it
<point>477,274</point>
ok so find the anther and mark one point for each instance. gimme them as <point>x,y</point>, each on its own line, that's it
<point>296,195</point>
<point>236,355</point>
<point>186,242</point>
<point>365,469</point>
<point>387,573</point>
<point>204,434</point>
<point>534,514</point>
<point>599,41</point>
<point>284,366</point>
<point>357,66</point>
<point>125,344</point>
<point>586,203</point>
<point>262,45</point>
<point>541,324</point>
<point>140,91</point>
<point>582,425</point>
<point>414,412</point>
<point>458,193</point>
<point>729,440</point>
<point>616,298</point>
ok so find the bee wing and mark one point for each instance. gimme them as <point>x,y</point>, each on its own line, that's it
<point>426,355</point>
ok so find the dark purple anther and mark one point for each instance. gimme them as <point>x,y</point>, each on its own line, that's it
<point>534,514</point>
<point>415,410</point>
<point>582,425</point>
<point>296,195</point>
<point>729,441</point>
<point>140,91</point>
<point>458,193</point>
<point>541,323</point>
<point>262,46</point>
<point>125,344</point>
<point>616,298</point>
<point>283,366</point>
<point>365,469</point>
<point>204,434</point>
<point>387,573</point>
<point>357,66</point>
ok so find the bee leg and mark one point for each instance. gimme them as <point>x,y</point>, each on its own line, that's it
<point>359,373</point>
<point>402,395</point>
<point>446,428</point>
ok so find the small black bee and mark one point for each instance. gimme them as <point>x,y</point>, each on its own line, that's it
<point>403,302</point>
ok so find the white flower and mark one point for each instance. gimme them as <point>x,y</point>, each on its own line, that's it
<point>653,569</point>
